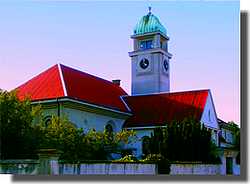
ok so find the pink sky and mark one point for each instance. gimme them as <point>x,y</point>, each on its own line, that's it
<point>95,38</point>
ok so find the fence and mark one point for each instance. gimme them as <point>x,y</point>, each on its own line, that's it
<point>48,165</point>
<point>19,167</point>
<point>108,169</point>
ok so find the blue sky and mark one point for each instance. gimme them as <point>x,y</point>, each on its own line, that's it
<point>95,37</point>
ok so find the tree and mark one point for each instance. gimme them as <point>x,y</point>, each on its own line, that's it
<point>184,141</point>
<point>236,134</point>
<point>18,140</point>
<point>23,131</point>
<point>75,145</point>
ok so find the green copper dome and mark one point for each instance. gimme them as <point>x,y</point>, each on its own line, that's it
<point>149,23</point>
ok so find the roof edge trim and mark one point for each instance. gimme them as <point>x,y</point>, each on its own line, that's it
<point>62,99</point>
<point>126,105</point>
<point>144,127</point>
<point>62,80</point>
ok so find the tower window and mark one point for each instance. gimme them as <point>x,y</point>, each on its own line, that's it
<point>148,44</point>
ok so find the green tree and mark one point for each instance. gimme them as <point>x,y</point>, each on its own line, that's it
<point>75,145</point>
<point>18,140</point>
<point>236,134</point>
<point>62,135</point>
<point>184,141</point>
<point>100,144</point>
<point>23,131</point>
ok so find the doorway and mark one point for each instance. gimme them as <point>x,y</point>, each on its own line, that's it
<point>229,165</point>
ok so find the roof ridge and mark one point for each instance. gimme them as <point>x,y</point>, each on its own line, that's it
<point>33,77</point>
<point>94,76</point>
<point>166,93</point>
<point>62,79</point>
<point>78,70</point>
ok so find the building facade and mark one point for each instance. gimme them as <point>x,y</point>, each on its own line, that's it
<point>91,102</point>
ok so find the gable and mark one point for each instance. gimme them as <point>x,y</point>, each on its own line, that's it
<point>209,117</point>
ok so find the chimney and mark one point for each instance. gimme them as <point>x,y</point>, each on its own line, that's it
<point>116,82</point>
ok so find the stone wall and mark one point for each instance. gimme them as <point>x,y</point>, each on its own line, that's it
<point>195,169</point>
<point>108,169</point>
<point>28,167</point>
<point>52,167</point>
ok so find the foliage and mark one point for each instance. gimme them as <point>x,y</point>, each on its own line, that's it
<point>24,131</point>
<point>153,158</point>
<point>62,135</point>
<point>184,141</point>
<point>163,163</point>
<point>127,158</point>
<point>18,136</point>
<point>236,132</point>
<point>76,145</point>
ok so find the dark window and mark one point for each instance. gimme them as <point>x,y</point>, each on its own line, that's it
<point>109,128</point>
<point>145,145</point>
<point>146,44</point>
<point>47,120</point>
<point>209,117</point>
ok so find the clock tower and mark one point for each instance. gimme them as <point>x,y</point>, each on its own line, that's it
<point>150,57</point>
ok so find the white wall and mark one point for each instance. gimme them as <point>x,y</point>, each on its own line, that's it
<point>228,136</point>
<point>88,120</point>
<point>108,169</point>
<point>209,117</point>
<point>195,169</point>
<point>153,79</point>
<point>140,133</point>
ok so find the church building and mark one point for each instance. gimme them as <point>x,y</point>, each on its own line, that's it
<point>92,102</point>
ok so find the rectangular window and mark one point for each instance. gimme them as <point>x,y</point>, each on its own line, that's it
<point>148,44</point>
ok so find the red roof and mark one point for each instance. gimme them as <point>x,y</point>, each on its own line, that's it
<point>78,85</point>
<point>159,109</point>
<point>46,85</point>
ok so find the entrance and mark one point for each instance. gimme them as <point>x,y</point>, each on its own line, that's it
<point>229,165</point>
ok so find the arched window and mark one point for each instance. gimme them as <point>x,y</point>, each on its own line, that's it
<point>47,120</point>
<point>109,128</point>
<point>145,145</point>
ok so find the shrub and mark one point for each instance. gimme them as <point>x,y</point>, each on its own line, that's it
<point>153,158</point>
<point>162,163</point>
<point>127,158</point>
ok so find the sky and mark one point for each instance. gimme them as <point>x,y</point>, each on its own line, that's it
<point>95,37</point>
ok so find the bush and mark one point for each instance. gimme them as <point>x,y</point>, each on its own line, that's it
<point>126,152</point>
<point>162,163</point>
<point>127,158</point>
<point>153,158</point>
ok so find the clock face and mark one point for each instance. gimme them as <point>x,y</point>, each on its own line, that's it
<point>166,66</point>
<point>144,63</point>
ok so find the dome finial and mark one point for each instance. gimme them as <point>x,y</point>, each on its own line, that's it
<point>149,9</point>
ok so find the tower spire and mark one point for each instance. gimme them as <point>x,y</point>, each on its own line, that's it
<point>149,9</point>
